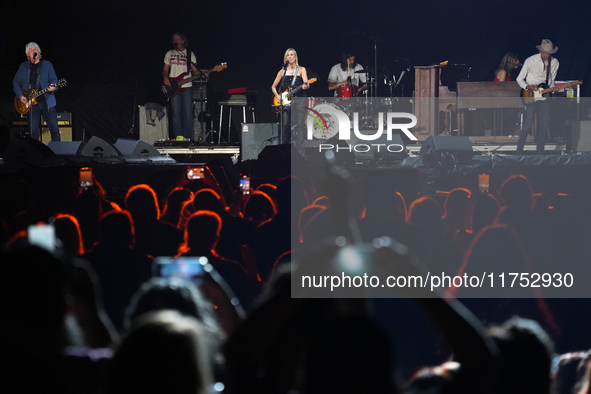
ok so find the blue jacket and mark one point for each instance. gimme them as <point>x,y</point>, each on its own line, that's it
<point>20,83</point>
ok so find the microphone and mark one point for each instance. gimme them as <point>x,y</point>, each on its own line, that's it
<point>519,64</point>
<point>286,64</point>
<point>35,55</point>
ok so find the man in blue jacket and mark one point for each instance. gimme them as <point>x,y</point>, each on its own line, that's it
<point>38,74</point>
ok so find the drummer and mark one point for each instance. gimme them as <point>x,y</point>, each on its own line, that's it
<point>344,79</point>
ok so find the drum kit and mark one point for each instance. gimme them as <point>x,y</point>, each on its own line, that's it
<point>349,90</point>
<point>349,99</point>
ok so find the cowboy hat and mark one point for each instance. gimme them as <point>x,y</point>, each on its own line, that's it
<point>547,47</point>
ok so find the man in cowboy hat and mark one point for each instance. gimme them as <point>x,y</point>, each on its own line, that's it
<point>538,69</point>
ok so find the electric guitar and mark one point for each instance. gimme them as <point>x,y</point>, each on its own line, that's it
<point>286,94</point>
<point>176,82</point>
<point>531,96</point>
<point>32,97</point>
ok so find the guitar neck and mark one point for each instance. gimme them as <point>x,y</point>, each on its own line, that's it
<point>190,79</point>
<point>40,93</point>
<point>310,81</point>
<point>294,91</point>
<point>60,84</point>
<point>566,85</point>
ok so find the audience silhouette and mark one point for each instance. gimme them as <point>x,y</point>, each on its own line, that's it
<point>91,315</point>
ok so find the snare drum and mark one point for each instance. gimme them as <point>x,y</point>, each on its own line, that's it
<point>347,91</point>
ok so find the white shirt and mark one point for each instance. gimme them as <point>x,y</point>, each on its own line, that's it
<point>337,75</point>
<point>177,60</point>
<point>533,72</point>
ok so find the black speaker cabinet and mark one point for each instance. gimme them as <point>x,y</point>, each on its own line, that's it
<point>256,136</point>
<point>460,147</point>
<point>580,136</point>
<point>97,147</point>
<point>135,148</point>
<point>67,148</point>
<point>380,148</point>
<point>25,150</point>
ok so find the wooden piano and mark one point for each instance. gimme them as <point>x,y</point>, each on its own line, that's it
<point>432,99</point>
<point>482,95</point>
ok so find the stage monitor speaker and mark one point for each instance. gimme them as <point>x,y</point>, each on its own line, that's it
<point>135,148</point>
<point>460,147</point>
<point>67,148</point>
<point>580,136</point>
<point>98,148</point>
<point>255,137</point>
<point>25,150</point>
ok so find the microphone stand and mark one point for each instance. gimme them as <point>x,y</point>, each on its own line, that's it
<point>30,100</point>
<point>201,138</point>
<point>135,108</point>
<point>374,84</point>
<point>402,74</point>
<point>281,106</point>
<point>30,114</point>
<point>203,134</point>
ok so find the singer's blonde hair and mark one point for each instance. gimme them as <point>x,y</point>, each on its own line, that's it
<point>294,52</point>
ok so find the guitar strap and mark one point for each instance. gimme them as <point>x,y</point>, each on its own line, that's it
<point>188,58</point>
<point>295,75</point>
<point>280,85</point>
<point>548,71</point>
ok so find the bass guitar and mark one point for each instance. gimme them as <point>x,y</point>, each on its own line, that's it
<point>287,94</point>
<point>32,97</point>
<point>531,96</point>
<point>176,83</point>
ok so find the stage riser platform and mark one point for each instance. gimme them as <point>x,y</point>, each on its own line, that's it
<point>201,154</point>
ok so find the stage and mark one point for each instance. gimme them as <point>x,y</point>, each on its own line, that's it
<point>553,172</point>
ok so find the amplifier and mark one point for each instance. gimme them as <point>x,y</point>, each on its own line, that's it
<point>151,128</point>
<point>64,119</point>
<point>256,136</point>
<point>65,134</point>
<point>580,137</point>
<point>17,120</point>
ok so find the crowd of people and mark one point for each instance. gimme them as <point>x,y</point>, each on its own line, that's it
<point>88,313</point>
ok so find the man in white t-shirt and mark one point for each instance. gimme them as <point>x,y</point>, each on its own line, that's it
<point>175,64</point>
<point>344,73</point>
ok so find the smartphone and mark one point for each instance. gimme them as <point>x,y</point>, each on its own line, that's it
<point>85,178</point>
<point>245,184</point>
<point>195,173</point>
<point>190,269</point>
<point>43,235</point>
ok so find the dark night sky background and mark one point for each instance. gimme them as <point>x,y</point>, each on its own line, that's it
<point>105,49</point>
